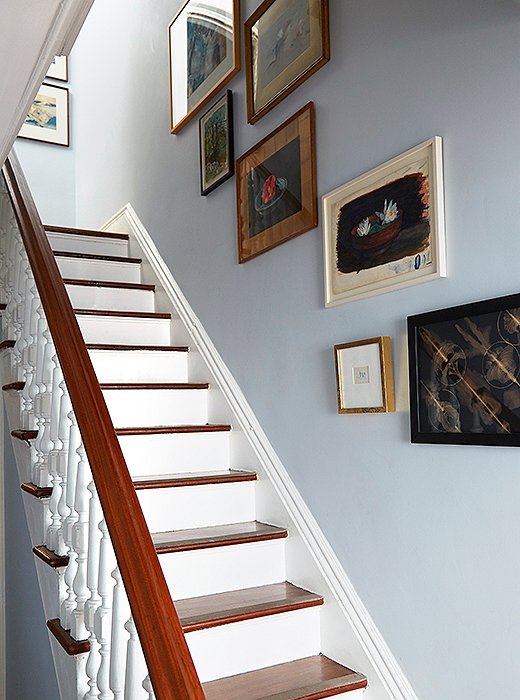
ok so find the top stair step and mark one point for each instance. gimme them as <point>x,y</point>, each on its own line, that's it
<point>86,232</point>
<point>312,678</point>
<point>77,240</point>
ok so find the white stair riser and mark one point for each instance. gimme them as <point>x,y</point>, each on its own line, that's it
<point>94,245</point>
<point>125,331</point>
<point>245,646</point>
<point>110,298</point>
<point>206,571</point>
<point>82,268</point>
<point>198,506</point>
<point>148,455</point>
<point>113,366</point>
<point>152,407</point>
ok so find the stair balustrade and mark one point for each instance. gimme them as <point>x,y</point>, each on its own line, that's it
<point>116,600</point>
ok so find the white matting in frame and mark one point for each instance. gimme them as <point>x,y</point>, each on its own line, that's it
<point>385,229</point>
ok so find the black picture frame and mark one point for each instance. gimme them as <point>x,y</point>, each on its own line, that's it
<point>464,368</point>
<point>227,102</point>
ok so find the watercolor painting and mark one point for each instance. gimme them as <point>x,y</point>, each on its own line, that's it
<point>207,49</point>
<point>48,117</point>
<point>217,158</point>
<point>42,113</point>
<point>466,371</point>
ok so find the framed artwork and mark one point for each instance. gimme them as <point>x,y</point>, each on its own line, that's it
<point>217,159</point>
<point>465,374</point>
<point>385,230</point>
<point>286,42</point>
<point>276,187</point>
<point>48,118</point>
<point>59,68</point>
<point>204,44</point>
<point>364,376</point>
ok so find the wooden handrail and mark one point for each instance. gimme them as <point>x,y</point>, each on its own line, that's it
<point>170,665</point>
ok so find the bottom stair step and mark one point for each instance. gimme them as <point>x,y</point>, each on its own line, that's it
<point>312,678</point>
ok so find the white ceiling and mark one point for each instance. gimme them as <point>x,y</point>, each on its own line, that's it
<point>32,32</point>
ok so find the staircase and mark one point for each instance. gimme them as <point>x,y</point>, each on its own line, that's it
<point>253,630</point>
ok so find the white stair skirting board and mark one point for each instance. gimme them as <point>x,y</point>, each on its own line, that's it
<point>390,676</point>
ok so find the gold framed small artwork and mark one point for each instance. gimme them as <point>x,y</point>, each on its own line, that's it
<point>364,376</point>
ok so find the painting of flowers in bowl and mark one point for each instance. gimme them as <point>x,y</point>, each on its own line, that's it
<point>385,229</point>
<point>276,187</point>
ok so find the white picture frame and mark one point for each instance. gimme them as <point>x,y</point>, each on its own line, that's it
<point>48,118</point>
<point>385,230</point>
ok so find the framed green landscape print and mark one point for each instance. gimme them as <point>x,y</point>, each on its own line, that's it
<point>204,45</point>
<point>385,229</point>
<point>217,159</point>
<point>48,118</point>
<point>286,42</point>
<point>276,187</point>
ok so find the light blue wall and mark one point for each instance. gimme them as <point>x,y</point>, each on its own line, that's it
<point>428,535</point>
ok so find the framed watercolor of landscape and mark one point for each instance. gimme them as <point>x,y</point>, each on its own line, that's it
<point>217,159</point>
<point>276,187</point>
<point>364,376</point>
<point>286,41</point>
<point>59,69</point>
<point>48,118</point>
<point>385,230</point>
<point>465,374</point>
<point>204,46</point>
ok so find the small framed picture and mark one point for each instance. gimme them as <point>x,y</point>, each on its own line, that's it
<point>276,187</point>
<point>48,118</point>
<point>465,374</point>
<point>217,158</point>
<point>385,229</point>
<point>204,44</point>
<point>364,376</point>
<point>286,42</point>
<point>59,68</point>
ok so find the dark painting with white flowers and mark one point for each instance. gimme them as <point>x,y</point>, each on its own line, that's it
<point>466,371</point>
<point>385,225</point>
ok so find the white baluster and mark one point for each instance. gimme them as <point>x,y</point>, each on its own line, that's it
<point>9,281</point>
<point>57,446</point>
<point>18,318</point>
<point>93,603</point>
<point>80,543</point>
<point>120,613</point>
<point>147,685</point>
<point>134,676</point>
<point>69,603</point>
<point>29,353</point>
<point>43,444</point>
<point>103,617</point>
<point>64,428</point>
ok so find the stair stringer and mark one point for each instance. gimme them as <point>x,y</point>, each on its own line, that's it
<point>349,634</point>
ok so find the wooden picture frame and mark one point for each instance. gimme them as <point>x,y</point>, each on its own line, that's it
<point>59,69</point>
<point>465,374</point>
<point>204,52</point>
<point>276,66</point>
<point>48,118</point>
<point>276,186</point>
<point>385,230</point>
<point>364,376</point>
<point>216,144</point>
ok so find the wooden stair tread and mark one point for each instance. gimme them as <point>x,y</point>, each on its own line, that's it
<point>166,429</point>
<point>3,306</point>
<point>86,232</point>
<point>92,256</point>
<point>65,639</point>
<point>7,344</point>
<point>25,435</point>
<point>246,604</point>
<point>227,476</point>
<point>147,348</point>
<point>13,386</point>
<point>155,385</point>
<point>55,561</point>
<point>138,286</point>
<point>37,491</point>
<point>122,314</point>
<point>215,536</point>
<point>312,678</point>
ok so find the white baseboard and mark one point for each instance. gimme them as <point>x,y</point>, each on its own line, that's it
<point>383,661</point>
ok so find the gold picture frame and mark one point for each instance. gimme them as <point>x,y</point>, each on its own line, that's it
<point>364,376</point>
<point>204,54</point>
